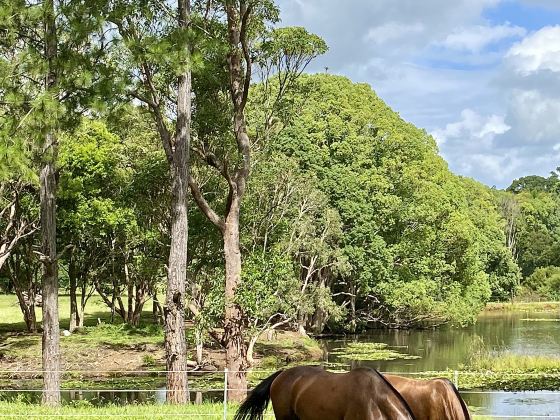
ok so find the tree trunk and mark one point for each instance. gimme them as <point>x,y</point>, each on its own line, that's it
<point>199,346</point>
<point>130,295</point>
<point>47,180</point>
<point>236,348</point>
<point>4,255</point>
<point>138,306</point>
<point>157,311</point>
<point>22,281</point>
<point>83,301</point>
<point>175,343</point>
<point>73,278</point>
<point>27,306</point>
<point>51,333</point>
<point>353,320</point>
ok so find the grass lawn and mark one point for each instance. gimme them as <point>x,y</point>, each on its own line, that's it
<point>191,411</point>
<point>11,319</point>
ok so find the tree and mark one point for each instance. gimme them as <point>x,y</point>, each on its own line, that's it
<point>539,230</point>
<point>535,183</point>
<point>292,250</point>
<point>15,224</point>
<point>48,61</point>
<point>97,216</point>
<point>149,41</point>
<point>414,234</point>
<point>231,159</point>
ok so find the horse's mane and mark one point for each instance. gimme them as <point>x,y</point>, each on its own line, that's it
<point>461,401</point>
<point>399,396</point>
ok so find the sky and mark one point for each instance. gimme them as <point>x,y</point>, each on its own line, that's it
<point>481,76</point>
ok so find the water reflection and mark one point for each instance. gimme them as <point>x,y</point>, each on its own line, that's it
<point>527,403</point>
<point>451,348</point>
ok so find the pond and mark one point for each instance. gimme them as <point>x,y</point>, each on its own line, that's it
<point>450,348</point>
<point>523,333</point>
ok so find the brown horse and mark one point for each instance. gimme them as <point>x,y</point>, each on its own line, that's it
<point>436,399</point>
<point>310,392</point>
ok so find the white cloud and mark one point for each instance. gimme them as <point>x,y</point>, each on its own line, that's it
<point>472,127</point>
<point>393,31</point>
<point>534,117</point>
<point>475,38</point>
<point>500,167</point>
<point>537,52</point>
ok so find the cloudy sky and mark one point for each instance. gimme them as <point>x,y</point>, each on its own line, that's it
<point>482,76</point>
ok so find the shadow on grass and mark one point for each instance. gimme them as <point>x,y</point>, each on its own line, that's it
<point>98,330</point>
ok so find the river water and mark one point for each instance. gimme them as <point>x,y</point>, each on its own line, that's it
<point>451,348</point>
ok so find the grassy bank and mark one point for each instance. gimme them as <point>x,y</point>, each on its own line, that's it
<point>513,363</point>
<point>523,306</point>
<point>18,410</point>
<point>163,412</point>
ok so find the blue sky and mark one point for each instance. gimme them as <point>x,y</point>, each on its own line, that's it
<point>482,76</point>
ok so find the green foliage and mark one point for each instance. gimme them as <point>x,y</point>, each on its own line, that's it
<point>546,282</point>
<point>421,243</point>
<point>91,176</point>
<point>112,207</point>
<point>536,183</point>
<point>539,230</point>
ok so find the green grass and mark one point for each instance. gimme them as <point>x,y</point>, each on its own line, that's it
<point>540,319</point>
<point>524,306</point>
<point>81,410</point>
<point>12,319</point>
<point>514,363</point>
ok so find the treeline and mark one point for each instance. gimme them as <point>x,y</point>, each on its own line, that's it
<point>531,208</point>
<point>311,204</point>
<point>351,219</point>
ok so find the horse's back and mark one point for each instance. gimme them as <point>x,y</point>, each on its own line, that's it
<point>307,393</point>
<point>434,399</point>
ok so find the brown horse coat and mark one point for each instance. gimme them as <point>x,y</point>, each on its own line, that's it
<point>435,399</point>
<point>311,393</point>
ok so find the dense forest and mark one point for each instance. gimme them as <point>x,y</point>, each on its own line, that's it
<point>312,205</point>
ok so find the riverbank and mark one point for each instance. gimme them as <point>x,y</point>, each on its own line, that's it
<point>522,307</point>
<point>104,355</point>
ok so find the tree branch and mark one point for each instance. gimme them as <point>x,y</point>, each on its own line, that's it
<point>204,206</point>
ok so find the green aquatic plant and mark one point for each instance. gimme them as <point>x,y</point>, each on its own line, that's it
<point>370,351</point>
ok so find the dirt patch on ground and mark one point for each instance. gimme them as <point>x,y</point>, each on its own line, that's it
<point>22,352</point>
